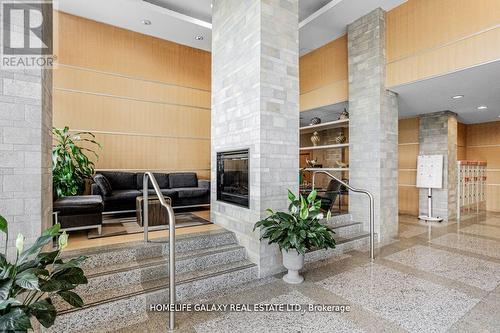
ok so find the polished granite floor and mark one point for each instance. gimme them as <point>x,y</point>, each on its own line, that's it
<point>432,278</point>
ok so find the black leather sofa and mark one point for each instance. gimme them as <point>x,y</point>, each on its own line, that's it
<point>184,189</point>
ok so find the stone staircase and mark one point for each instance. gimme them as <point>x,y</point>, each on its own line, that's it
<point>125,279</point>
<point>349,235</point>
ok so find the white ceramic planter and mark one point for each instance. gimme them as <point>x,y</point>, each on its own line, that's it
<point>293,261</point>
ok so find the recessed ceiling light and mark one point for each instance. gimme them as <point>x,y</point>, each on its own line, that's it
<point>482,107</point>
<point>199,38</point>
<point>146,22</point>
<point>458,96</point>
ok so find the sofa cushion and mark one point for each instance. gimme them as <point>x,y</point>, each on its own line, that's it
<point>184,179</point>
<point>191,192</point>
<point>103,184</point>
<point>121,180</point>
<point>166,192</point>
<point>126,195</point>
<point>80,204</point>
<point>161,179</point>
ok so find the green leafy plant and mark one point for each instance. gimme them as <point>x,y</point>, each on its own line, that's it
<point>28,285</point>
<point>299,228</point>
<point>70,165</point>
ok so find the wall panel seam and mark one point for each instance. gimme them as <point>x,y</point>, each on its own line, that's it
<point>141,134</point>
<point>483,146</point>
<point>444,45</point>
<point>323,86</point>
<point>129,98</point>
<point>129,77</point>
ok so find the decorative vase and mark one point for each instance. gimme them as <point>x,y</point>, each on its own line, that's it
<point>315,121</point>
<point>315,139</point>
<point>340,138</point>
<point>293,261</point>
<point>344,115</point>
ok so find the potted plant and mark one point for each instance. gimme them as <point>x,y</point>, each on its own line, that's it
<point>296,232</point>
<point>28,284</point>
<point>70,165</point>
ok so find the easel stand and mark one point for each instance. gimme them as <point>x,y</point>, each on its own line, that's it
<point>429,215</point>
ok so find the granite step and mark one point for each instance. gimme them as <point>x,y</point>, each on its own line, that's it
<point>131,304</point>
<point>345,229</point>
<point>344,244</point>
<point>139,251</point>
<point>125,274</point>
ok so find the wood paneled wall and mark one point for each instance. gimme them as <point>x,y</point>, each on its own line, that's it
<point>146,99</point>
<point>461,142</point>
<point>408,152</point>
<point>323,75</point>
<point>483,143</point>
<point>426,38</point>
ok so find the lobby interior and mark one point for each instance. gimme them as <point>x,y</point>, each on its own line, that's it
<point>306,89</point>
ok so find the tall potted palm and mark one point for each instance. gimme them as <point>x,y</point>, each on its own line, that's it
<point>296,232</point>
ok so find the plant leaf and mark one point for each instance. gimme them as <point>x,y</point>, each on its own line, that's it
<point>11,301</point>
<point>41,241</point>
<point>27,280</point>
<point>312,196</point>
<point>5,286</point>
<point>15,320</point>
<point>3,224</point>
<point>75,262</point>
<point>44,311</point>
<point>73,275</point>
<point>71,298</point>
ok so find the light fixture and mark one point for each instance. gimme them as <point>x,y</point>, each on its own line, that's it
<point>482,107</point>
<point>146,22</point>
<point>458,96</point>
<point>198,37</point>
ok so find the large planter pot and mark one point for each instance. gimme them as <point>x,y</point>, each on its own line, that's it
<point>293,261</point>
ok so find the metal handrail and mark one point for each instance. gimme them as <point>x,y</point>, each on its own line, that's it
<point>357,190</point>
<point>171,237</point>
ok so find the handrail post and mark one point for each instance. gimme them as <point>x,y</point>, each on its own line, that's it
<point>171,237</point>
<point>145,183</point>
<point>171,269</point>
<point>371,208</point>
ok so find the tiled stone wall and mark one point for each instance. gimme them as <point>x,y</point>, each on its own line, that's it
<point>373,126</point>
<point>438,136</point>
<point>255,105</point>
<point>25,152</point>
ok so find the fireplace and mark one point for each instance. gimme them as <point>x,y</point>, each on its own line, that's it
<point>232,177</point>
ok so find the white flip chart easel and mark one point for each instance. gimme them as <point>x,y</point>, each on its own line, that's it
<point>430,175</point>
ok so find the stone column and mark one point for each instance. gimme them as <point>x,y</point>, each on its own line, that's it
<point>25,151</point>
<point>373,126</point>
<point>255,105</point>
<point>438,136</point>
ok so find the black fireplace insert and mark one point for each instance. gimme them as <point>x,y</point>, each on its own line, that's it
<point>232,177</point>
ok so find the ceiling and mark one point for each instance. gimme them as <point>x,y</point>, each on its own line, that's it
<point>479,85</point>
<point>181,21</point>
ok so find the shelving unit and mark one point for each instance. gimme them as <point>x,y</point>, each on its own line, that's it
<point>327,169</point>
<point>323,129</point>
<point>324,126</point>
<point>341,145</point>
